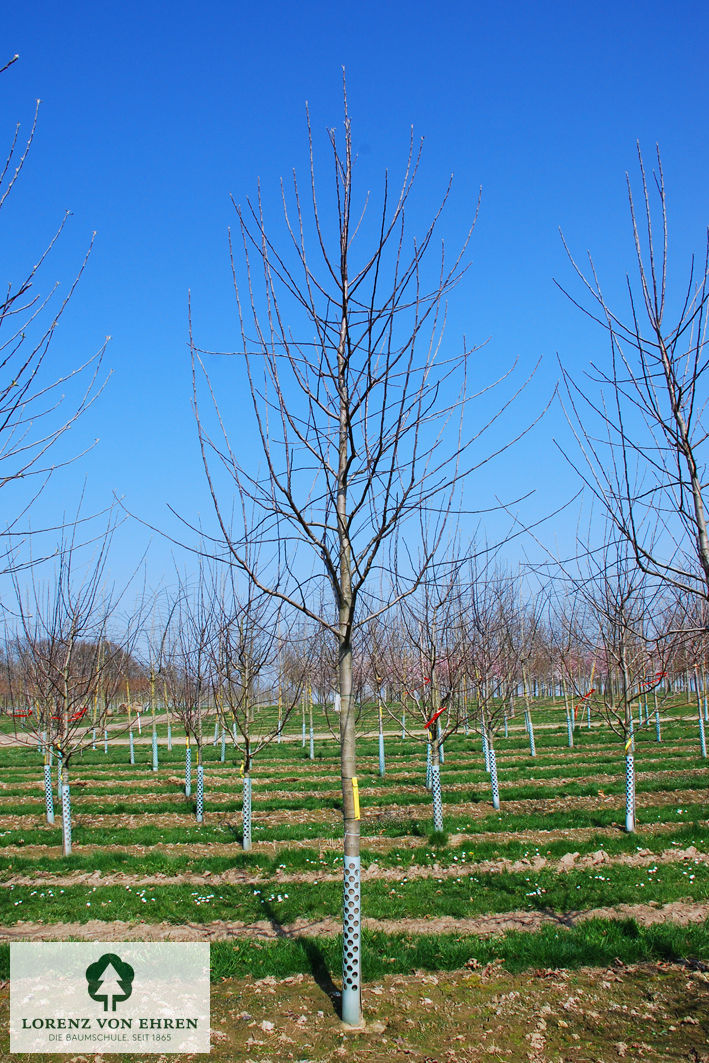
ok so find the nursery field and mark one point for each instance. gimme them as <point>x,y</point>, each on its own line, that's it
<point>541,931</point>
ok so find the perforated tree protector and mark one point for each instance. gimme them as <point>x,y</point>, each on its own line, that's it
<point>532,747</point>
<point>351,945</point>
<point>629,792</point>
<point>66,818</point>
<point>437,803</point>
<point>702,734</point>
<point>247,812</point>
<point>48,795</point>
<point>188,771</point>
<point>493,779</point>
<point>155,750</point>
<point>200,793</point>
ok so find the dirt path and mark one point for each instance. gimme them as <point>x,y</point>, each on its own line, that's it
<point>679,912</point>
<point>372,843</point>
<point>238,876</point>
<point>477,810</point>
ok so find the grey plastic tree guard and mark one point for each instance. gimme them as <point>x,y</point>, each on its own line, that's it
<point>48,793</point>
<point>569,730</point>
<point>658,730</point>
<point>246,813</point>
<point>428,765</point>
<point>169,737</point>
<point>132,747</point>
<point>312,744</point>
<point>222,755</point>
<point>155,750</point>
<point>352,943</point>
<point>200,793</point>
<point>381,749</point>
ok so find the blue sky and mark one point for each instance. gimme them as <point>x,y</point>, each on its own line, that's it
<point>153,114</point>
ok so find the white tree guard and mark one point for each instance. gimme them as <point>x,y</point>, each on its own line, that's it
<point>437,802</point>
<point>403,725</point>
<point>569,730</point>
<point>629,793</point>
<point>246,812</point>
<point>530,729</point>
<point>702,733</point>
<point>188,771</point>
<point>382,766</point>
<point>200,793</point>
<point>66,819</point>
<point>132,747</point>
<point>493,779</point>
<point>658,729</point>
<point>428,766</point>
<point>222,755</point>
<point>155,750</point>
<point>352,943</point>
<point>312,744</point>
<point>48,793</point>
<point>486,753</point>
<point>169,737</point>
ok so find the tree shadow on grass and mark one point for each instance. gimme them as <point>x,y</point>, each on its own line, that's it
<point>316,958</point>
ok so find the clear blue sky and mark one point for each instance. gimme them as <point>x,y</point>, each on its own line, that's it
<point>154,113</point>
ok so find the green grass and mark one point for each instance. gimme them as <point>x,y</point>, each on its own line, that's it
<point>469,895</point>
<point>595,942</point>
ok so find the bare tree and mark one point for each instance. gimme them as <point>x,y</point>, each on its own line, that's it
<point>247,650</point>
<point>359,413</point>
<point>38,402</point>
<point>642,429</point>
<point>63,648</point>
<point>619,618</point>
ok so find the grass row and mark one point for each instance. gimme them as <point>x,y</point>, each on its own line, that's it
<point>595,942</point>
<point>471,894</point>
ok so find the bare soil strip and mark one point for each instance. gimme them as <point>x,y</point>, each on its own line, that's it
<point>679,912</point>
<point>477,810</point>
<point>240,876</point>
<point>378,843</point>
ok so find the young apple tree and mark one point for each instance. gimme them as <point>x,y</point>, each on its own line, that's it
<point>358,406</point>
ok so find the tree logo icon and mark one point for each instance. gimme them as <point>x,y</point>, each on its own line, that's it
<point>110,980</point>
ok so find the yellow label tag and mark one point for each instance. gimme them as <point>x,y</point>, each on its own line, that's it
<point>628,744</point>
<point>187,741</point>
<point>355,797</point>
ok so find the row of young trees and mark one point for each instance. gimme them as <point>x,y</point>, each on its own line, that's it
<point>463,652</point>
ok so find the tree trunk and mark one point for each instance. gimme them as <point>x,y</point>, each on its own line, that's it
<point>352,907</point>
